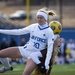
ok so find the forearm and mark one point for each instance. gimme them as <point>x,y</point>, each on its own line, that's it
<point>9,32</point>
<point>13,32</point>
<point>48,56</point>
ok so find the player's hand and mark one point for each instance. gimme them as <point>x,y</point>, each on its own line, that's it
<point>47,69</point>
<point>47,72</point>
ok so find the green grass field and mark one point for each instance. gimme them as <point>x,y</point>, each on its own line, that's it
<point>57,70</point>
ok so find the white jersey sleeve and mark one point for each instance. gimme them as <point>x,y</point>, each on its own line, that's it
<point>55,36</point>
<point>50,43</point>
<point>17,31</point>
<point>50,49</point>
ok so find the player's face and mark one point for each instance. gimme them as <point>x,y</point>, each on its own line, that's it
<point>41,20</point>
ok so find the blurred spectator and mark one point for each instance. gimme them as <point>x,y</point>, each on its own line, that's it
<point>11,44</point>
<point>61,58</point>
<point>4,44</point>
<point>63,49</point>
<point>22,60</point>
<point>23,42</point>
<point>70,51</point>
<point>4,61</point>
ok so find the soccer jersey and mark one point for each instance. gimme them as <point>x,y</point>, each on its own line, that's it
<point>40,37</point>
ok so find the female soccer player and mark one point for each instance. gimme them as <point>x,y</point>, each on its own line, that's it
<point>41,35</point>
<point>40,69</point>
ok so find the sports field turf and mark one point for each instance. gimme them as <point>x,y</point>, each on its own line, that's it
<point>57,70</point>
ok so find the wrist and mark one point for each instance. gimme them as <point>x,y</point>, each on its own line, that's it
<point>47,67</point>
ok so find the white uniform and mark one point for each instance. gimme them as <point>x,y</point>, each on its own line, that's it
<point>35,55</point>
<point>40,37</point>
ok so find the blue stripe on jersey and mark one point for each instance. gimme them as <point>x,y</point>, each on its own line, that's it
<point>43,28</point>
<point>25,47</point>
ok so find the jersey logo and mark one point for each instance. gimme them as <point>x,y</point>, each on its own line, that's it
<point>38,39</point>
<point>36,45</point>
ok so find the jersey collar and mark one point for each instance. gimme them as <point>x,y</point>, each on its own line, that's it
<point>45,26</point>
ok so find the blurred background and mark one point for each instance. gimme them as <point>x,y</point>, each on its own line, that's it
<point>20,13</point>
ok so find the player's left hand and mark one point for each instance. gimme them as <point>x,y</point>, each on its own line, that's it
<point>47,72</point>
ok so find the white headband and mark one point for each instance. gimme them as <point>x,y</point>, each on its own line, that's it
<point>43,14</point>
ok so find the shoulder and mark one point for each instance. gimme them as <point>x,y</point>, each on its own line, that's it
<point>34,24</point>
<point>49,30</point>
<point>31,25</point>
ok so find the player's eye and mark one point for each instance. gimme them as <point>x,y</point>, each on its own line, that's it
<point>40,17</point>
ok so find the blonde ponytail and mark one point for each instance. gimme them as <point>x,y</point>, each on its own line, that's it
<point>51,13</point>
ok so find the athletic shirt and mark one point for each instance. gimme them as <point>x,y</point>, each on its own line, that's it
<point>40,38</point>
